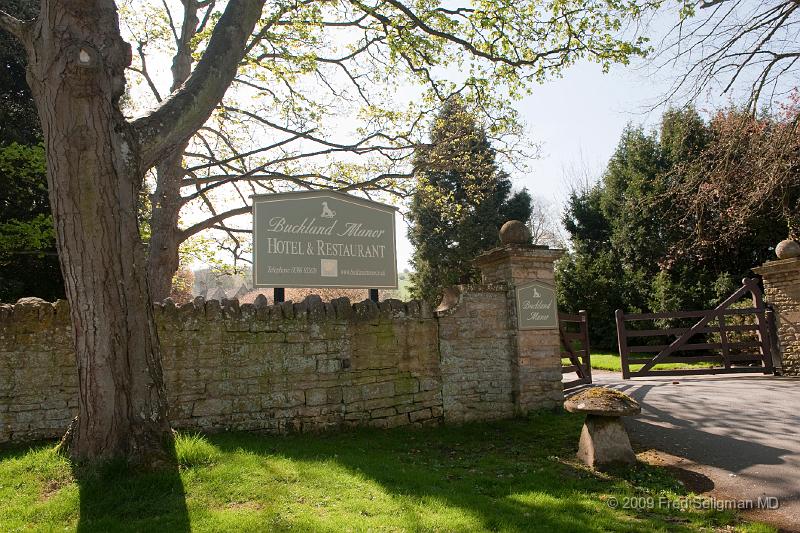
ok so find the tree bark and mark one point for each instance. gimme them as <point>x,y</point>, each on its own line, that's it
<point>95,165</point>
<point>94,171</point>
<point>163,257</point>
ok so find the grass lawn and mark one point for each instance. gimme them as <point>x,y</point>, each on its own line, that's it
<point>509,476</point>
<point>611,361</point>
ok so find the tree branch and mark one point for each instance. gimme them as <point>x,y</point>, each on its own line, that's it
<point>209,222</point>
<point>144,72</point>
<point>470,47</point>
<point>170,20</point>
<point>185,110</point>
<point>735,44</point>
<point>16,27</point>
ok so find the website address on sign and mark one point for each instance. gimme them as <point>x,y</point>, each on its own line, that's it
<point>363,272</point>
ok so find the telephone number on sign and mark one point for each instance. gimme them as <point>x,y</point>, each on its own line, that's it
<point>292,270</point>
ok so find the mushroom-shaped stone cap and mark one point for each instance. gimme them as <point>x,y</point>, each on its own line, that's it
<point>602,402</point>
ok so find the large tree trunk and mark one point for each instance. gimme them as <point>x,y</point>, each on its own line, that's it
<point>96,160</point>
<point>76,71</point>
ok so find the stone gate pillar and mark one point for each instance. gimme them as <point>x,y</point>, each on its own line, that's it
<point>527,270</point>
<point>782,292</point>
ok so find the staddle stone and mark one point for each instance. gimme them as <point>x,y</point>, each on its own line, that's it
<point>515,232</point>
<point>787,249</point>
<point>604,441</point>
<point>603,402</point>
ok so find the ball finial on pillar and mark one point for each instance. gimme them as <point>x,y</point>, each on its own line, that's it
<point>787,249</point>
<point>515,232</point>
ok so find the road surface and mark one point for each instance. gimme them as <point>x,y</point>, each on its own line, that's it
<point>741,431</point>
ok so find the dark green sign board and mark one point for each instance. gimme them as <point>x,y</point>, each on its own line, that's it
<point>536,306</point>
<point>323,239</point>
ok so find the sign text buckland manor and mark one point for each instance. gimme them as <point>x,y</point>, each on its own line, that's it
<point>536,306</point>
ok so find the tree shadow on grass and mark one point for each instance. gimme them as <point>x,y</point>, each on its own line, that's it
<point>504,474</point>
<point>118,497</point>
<point>112,497</point>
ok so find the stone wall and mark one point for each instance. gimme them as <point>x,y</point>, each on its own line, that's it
<point>782,292</point>
<point>309,366</point>
<point>477,353</point>
<point>300,367</point>
<point>38,378</point>
<point>536,365</point>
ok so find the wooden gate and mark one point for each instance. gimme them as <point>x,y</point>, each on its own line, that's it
<point>731,339</point>
<point>574,333</point>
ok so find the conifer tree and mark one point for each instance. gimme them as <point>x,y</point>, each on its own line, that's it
<point>461,200</point>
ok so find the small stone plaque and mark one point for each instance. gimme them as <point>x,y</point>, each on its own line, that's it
<point>536,306</point>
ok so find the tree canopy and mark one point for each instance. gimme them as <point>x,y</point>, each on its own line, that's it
<point>746,178</point>
<point>19,121</point>
<point>676,220</point>
<point>28,259</point>
<point>748,50</point>
<point>340,94</point>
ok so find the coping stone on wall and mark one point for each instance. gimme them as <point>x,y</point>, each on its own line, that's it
<point>454,307</point>
<point>230,309</point>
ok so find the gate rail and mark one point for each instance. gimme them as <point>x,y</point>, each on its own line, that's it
<point>725,352</point>
<point>579,356</point>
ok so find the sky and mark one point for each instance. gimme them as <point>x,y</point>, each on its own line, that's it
<point>577,121</point>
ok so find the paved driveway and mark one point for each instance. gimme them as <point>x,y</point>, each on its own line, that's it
<point>742,431</point>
